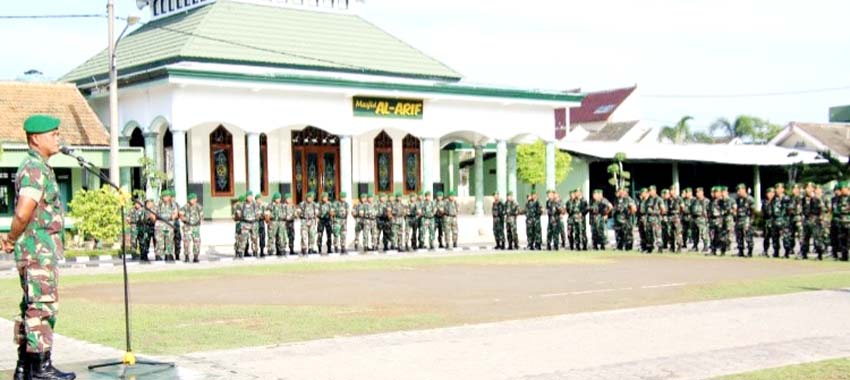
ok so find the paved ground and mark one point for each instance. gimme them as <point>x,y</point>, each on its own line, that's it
<point>684,341</point>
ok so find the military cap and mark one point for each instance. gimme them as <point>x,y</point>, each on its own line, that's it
<point>342,195</point>
<point>276,195</point>
<point>741,186</point>
<point>363,195</point>
<point>310,194</point>
<point>383,195</point>
<point>769,189</point>
<point>452,193</point>
<point>652,187</point>
<point>699,189</point>
<point>687,189</point>
<point>510,193</point>
<point>427,193</point>
<point>192,196</point>
<point>664,191</point>
<point>398,193</point>
<point>242,198</point>
<point>843,185</point>
<point>371,195</point>
<point>249,193</point>
<point>168,193</point>
<point>287,195</point>
<point>325,195</point>
<point>779,184</point>
<point>37,124</point>
<point>643,190</point>
<point>439,193</point>
<point>597,191</point>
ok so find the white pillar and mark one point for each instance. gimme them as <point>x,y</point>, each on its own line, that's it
<point>501,167</point>
<point>429,164</point>
<point>254,162</point>
<point>180,174</point>
<point>676,174</point>
<point>451,169</point>
<point>550,165</point>
<point>479,180</point>
<point>757,186</point>
<point>150,153</point>
<point>346,163</point>
<point>512,169</point>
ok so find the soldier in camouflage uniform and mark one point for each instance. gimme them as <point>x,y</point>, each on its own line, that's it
<point>384,223</point>
<point>325,227</point>
<point>533,211</point>
<point>412,220</point>
<point>451,210</point>
<point>308,212</point>
<point>842,213</point>
<point>261,224</point>
<point>438,218</point>
<point>145,225</point>
<point>372,214</point>
<point>290,213</point>
<point>665,221</point>
<point>794,209</point>
<point>728,216</point>
<point>575,221</point>
<point>277,234</point>
<point>675,209</point>
<point>163,233</point>
<point>745,208</point>
<point>780,220</point>
<point>767,220</point>
<point>511,212</point>
<point>552,215</point>
<point>814,214</point>
<point>822,233</point>
<point>235,207</point>
<point>359,213</point>
<point>249,217</point>
<point>687,198</point>
<point>642,220</point>
<point>655,210</point>
<point>132,229</point>
<point>715,215</point>
<point>624,212</point>
<point>35,237</point>
<point>599,210</point>
<point>498,213</point>
<point>699,221</point>
<point>399,211</point>
<point>340,223</point>
<point>562,226</point>
<point>191,215</point>
<point>834,223</point>
<point>427,225</point>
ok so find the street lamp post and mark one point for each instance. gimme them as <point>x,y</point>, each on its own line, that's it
<point>114,167</point>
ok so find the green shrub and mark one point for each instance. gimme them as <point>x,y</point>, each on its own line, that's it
<point>98,213</point>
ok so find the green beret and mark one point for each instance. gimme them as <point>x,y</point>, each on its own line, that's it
<point>510,193</point>
<point>843,185</point>
<point>780,184</point>
<point>652,187</point>
<point>371,195</point>
<point>363,195</point>
<point>741,186</point>
<point>383,195</point>
<point>168,193</point>
<point>192,196</point>
<point>342,195</point>
<point>664,191</point>
<point>249,193</point>
<point>769,189</point>
<point>439,193</point>
<point>643,190</point>
<point>398,193</point>
<point>310,194</point>
<point>37,124</point>
<point>276,195</point>
<point>597,191</point>
<point>287,195</point>
<point>687,189</point>
<point>724,188</point>
<point>325,195</point>
<point>452,193</point>
<point>427,193</point>
<point>242,198</point>
<point>699,189</point>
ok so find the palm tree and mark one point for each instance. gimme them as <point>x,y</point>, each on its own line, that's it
<point>679,133</point>
<point>750,129</point>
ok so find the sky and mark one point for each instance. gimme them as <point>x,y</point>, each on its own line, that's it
<point>666,47</point>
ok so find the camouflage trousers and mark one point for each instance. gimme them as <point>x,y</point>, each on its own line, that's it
<point>510,231</point>
<point>744,236</point>
<point>324,231</point>
<point>450,227</point>
<point>699,232</point>
<point>378,232</point>
<point>623,234</point>
<point>191,236</point>
<point>531,232</point>
<point>793,231</point>
<point>278,237</point>
<point>576,233</point>
<point>686,230</point>
<point>779,229</point>
<point>718,235</point>
<point>598,236</point>
<point>143,241</point>
<point>164,236</point>
<point>767,229</point>
<point>339,234</point>
<point>641,222</point>
<point>665,232</point>
<point>439,222</point>
<point>308,234</point>
<point>563,231</point>
<point>39,280</point>
<point>675,232</point>
<point>397,234</point>
<point>426,228</point>
<point>499,231</point>
<point>130,234</point>
<point>729,225</point>
<point>653,231</point>
<point>815,232</point>
<point>411,233</point>
<point>358,231</point>
<point>367,234</point>
<point>250,233</point>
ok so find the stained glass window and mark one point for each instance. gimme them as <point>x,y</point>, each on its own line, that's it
<point>383,163</point>
<point>221,162</point>
<point>412,165</point>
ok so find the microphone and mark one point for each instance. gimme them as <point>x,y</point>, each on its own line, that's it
<point>70,153</point>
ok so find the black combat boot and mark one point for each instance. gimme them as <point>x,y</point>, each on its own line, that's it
<point>42,368</point>
<point>22,369</point>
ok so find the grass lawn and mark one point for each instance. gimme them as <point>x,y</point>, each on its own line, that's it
<point>177,329</point>
<point>838,369</point>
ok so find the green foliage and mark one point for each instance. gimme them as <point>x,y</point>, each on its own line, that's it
<point>531,164</point>
<point>833,170</point>
<point>151,175</point>
<point>679,133</point>
<point>748,128</point>
<point>619,177</point>
<point>97,213</point>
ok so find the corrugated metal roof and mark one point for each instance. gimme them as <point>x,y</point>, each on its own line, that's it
<point>761,155</point>
<point>266,35</point>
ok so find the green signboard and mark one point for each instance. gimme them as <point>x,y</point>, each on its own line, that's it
<point>388,107</point>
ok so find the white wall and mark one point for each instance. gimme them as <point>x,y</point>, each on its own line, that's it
<point>629,110</point>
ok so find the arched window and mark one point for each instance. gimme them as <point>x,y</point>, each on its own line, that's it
<point>383,163</point>
<point>411,164</point>
<point>221,162</point>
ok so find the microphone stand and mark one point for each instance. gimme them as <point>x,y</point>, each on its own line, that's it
<point>129,358</point>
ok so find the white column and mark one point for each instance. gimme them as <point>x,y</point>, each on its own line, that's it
<point>757,186</point>
<point>254,162</point>
<point>150,153</point>
<point>676,174</point>
<point>180,177</point>
<point>346,162</point>
<point>429,164</point>
<point>451,169</point>
<point>479,180</point>
<point>512,169</point>
<point>550,165</point>
<point>501,167</point>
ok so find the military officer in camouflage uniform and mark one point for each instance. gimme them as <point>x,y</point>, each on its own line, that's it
<point>261,224</point>
<point>842,213</point>
<point>191,215</point>
<point>427,225</point>
<point>814,227</point>
<point>641,220</point>
<point>574,220</point>
<point>533,211</point>
<point>699,221</point>
<point>498,214</point>
<point>325,227</point>
<point>277,234</point>
<point>235,207</point>
<point>399,212</point>
<point>308,212</point>
<point>290,213</point>
<point>599,210</point>
<point>834,221</point>
<point>250,215</point>
<point>687,198</point>
<point>35,237</point>
<point>655,209</point>
<point>767,220</point>
<point>665,221</point>
<point>372,214</point>
<point>439,218</point>
<point>340,223</point>
<point>675,208</point>
<point>358,213</point>
<point>780,220</point>
<point>624,213</point>
<point>511,212</point>
<point>145,222</point>
<point>715,215</point>
<point>384,223</point>
<point>794,209</point>
<point>745,208</point>
<point>451,210</point>
<point>164,233</point>
<point>412,221</point>
<point>132,230</point>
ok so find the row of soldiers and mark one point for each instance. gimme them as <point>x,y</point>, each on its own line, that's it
<point>558,234</point>
<point>394,222</point>
<point>167,226</point>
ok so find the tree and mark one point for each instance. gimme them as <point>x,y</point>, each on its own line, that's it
<point>679,133</point>
<point>97,212</point>
<point>832,170</point>
<point>619,177</point>
<point>749,129</point>
<point>531,164</point>
<point>152,176</point>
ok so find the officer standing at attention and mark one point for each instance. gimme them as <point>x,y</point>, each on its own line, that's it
<point>35,237</point>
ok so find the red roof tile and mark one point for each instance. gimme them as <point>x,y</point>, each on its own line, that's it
<point>598,106</point>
